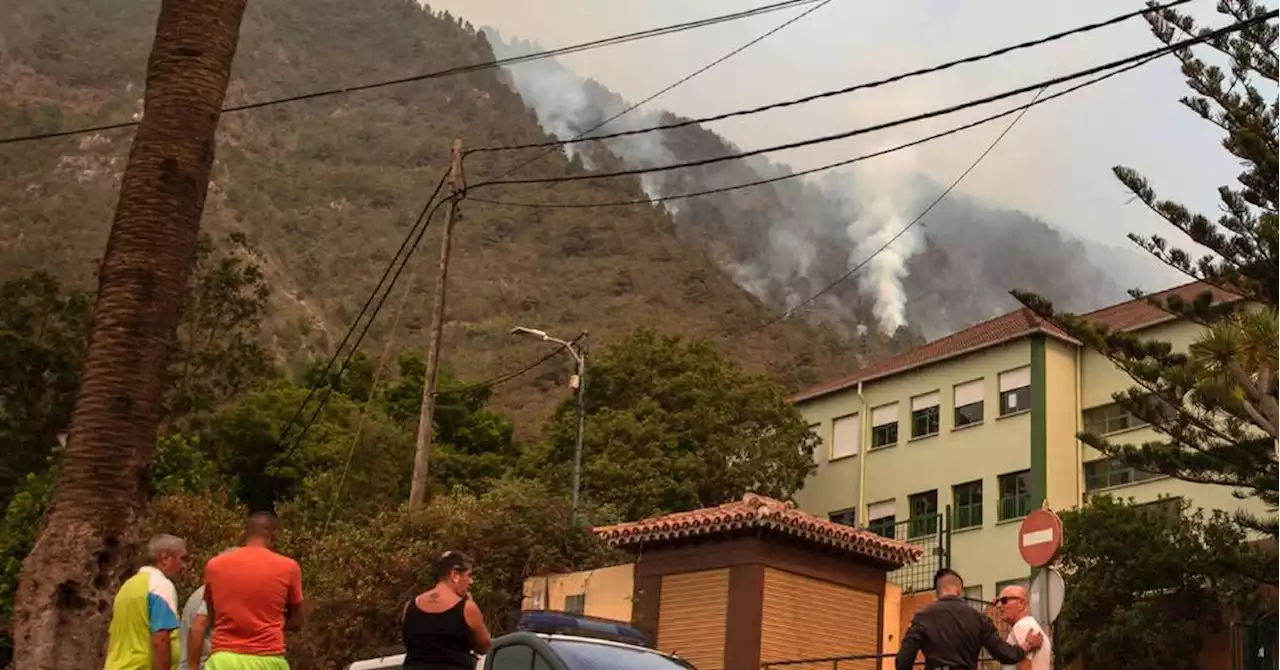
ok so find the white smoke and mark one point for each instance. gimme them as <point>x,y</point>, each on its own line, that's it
<point>883,190</point>
<point>851,213</point>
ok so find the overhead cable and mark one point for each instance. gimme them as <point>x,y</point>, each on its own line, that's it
<point>902,231</point>
<point>324,374</point>
<point>448,72</point>
<point>827,94</point>
<point>1203,37</point>
<point>821,168</point>
<point>507,376</point>
<point>412,241</point>
<point>581,137</point>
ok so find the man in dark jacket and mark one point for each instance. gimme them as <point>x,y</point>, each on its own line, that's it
<point>951,633</point>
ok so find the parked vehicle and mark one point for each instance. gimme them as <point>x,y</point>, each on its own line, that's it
<point>557,641</point>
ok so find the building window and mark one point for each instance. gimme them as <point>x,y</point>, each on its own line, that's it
<point>884,426</point>
<point>1015,391</point>
<point>1015,495</point>
<point>968,403</point>
<point>973,592</point>
<point>924,514</point>
<point>816,429</point>
<point>1107,472</point>
<point>883,519</point>
<point>575,604</point>
<point>968,504</point>
<point>845,517</point>
<point>1110,419</point>
<point>924,415</point>
<point>846,433</point>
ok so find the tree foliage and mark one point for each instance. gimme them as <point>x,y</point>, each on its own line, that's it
<point>42,341</point>
<point>671,425</point>
<point>1151,582</point>
<point>1215,404</point>
<point>357,573</point>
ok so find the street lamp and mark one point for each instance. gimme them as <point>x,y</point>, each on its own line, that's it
<point>577,383</point>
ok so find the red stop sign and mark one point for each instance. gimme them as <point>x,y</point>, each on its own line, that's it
<point>1040,537</point>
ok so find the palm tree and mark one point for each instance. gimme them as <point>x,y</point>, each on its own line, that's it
<point>85,547</point>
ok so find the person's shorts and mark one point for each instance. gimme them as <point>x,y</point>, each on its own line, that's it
<point>228,660</point>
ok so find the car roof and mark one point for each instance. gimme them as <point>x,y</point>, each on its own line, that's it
<point>392,660</point>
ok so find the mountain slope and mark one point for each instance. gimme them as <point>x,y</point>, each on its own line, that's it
<point>326,189</point>
<point>785,240</point>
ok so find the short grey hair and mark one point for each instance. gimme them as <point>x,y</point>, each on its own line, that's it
<point>163,544</point>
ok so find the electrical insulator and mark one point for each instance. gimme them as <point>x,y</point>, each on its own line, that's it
<point>575,382</point>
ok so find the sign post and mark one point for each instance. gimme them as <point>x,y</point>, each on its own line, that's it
<point>1039,541</point>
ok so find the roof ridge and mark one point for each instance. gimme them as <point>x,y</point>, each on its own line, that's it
<point>1129,315</point>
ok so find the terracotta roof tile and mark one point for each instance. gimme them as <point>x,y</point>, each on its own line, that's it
<point>1011,326</point>
<point>1138,314</point>
<point>764,513</point>
<point>1129,315</point>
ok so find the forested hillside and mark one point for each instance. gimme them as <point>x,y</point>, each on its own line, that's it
<point>787,239</point>
<point>326,188</point>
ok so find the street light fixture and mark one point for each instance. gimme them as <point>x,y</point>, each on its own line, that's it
<point>578,383</point>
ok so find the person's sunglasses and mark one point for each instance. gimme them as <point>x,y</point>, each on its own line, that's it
<point>1007,599</point>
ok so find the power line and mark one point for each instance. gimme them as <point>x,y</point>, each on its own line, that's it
<point>827,94</point>
<point>415,235</point>
<point>448,72</point>
<point>506,376</point>
<point>581,137</point>
<point>919,217</point>
<point>821,168</point>
<point>368,403</point>
<point>892,124</point>
<point>324,374</point>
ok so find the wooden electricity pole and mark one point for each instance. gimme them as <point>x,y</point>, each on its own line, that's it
<point>426,414</point>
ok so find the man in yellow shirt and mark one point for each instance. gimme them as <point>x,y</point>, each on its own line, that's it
<point>145,611</point>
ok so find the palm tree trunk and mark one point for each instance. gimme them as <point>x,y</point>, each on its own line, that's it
<point>85,548</point>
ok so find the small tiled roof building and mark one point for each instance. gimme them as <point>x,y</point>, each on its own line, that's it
<point>757,580</point>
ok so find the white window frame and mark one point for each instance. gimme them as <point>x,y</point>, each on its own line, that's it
<point>968,393</point>
<point>882,509</point>
<point>853,421</point>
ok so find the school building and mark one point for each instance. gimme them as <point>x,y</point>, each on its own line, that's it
<point>982,423</point>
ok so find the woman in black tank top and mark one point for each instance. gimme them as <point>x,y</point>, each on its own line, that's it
<point>442,628</point>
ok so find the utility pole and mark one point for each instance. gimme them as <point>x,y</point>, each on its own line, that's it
<point>426,414</point>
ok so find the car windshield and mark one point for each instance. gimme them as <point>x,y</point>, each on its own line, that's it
<point>584,655</point>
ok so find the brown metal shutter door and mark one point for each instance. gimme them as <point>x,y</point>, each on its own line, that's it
<point>809,618</point>
<point>692,613</point>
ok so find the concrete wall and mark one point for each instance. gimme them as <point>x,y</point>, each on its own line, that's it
<point>609,591</point>
<point>998,445</point>
<point>1063,477</point>
<point>1100,378</point>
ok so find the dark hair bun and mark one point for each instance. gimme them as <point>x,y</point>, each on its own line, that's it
<point>451,562</point>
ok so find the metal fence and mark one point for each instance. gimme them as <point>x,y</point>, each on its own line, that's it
<point>855,662</point>
<point>931,533</point>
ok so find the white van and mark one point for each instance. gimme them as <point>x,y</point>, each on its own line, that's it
<point>393,662</point>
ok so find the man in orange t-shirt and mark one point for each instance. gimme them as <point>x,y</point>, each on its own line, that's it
<point>253,595</point>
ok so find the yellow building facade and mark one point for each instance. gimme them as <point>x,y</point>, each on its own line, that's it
<point>983,422</point>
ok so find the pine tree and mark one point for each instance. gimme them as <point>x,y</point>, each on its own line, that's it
<point>1215,404</point>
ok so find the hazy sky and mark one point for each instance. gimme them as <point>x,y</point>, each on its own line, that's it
<point>1056,163</point>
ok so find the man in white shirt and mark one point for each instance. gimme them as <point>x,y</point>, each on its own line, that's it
<point>1014,609</point>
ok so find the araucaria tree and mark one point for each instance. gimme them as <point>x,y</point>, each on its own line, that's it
<point>1214,404</point>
